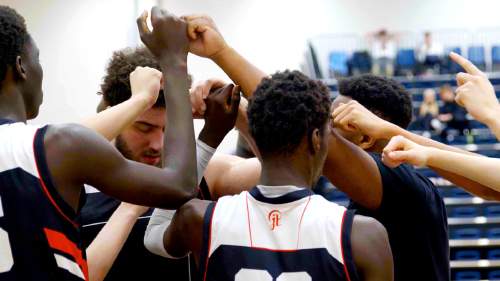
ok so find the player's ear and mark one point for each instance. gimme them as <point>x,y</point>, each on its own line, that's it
<point>315,144</point>
<point>366,142</point>
<point>20,71</point>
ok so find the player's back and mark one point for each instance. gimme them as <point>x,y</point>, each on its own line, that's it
<point>39,239</point>
<point>277,234</point>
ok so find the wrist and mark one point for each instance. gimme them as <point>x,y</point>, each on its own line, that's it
<point>173,62</point>
<point>430,154</point>
<point>389,130</point>
<point>491,119</point>
<point>222,54</point>
<point>210,138</point>
<point>142,100</point>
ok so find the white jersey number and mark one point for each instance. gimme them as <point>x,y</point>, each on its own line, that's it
<point>246,274</point>
<point>6,260</point>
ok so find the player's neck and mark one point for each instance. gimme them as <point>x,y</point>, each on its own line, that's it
<point>280,172</point>
<point>11,104</point>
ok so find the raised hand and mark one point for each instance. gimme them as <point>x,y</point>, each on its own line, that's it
<point>475,92</point>
<point>168,40</point>
<point>199,92</point>
<point>352,116</point>
<point>145,84</point>
<point>205,39</point>
<point>401,150</point>
<point>220,115</point>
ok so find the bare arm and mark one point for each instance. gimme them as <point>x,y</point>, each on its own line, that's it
<point>78,156</point>
<point>145,86</point>
<point>371,250</point>
<point>207,41</point>
<point>185,233</point>
<point>342,167</point>
<point>482,170</point>
<point>353,116</point>
<point>229,174</point>
<point>102,252</point>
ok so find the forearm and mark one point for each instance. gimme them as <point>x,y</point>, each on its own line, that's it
<point>161,219</point>
<point>364,188</point>
<point>241,71</point>
<point>483,170</point>
<point>112,121</point>
<point>242,127</point>
<point>394,130</point>
<point>106,246</point>
<point>179,147</point>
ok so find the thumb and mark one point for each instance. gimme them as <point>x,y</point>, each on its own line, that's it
<point>401,156</point>
<point>235,99</point>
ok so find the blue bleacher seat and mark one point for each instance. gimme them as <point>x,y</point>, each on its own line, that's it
<point>457,192</point>
<point>476,55</point>
<point>468,275</point>
<point>405,61</point>
<point>494,275</point>
<point>467,233</point>
<point>338,63</point>
<point>467,255</point>
<point>449,65</point>
<point>494,254</point>
<point>493,233</point>
<point>360,63</point>
<point>492,211</point>
<point>464,212</point>
<point>495,57</point>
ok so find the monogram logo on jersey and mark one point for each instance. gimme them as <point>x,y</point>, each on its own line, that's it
<point>274,218</point>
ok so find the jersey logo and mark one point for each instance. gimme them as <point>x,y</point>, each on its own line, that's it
<point>274,218</point>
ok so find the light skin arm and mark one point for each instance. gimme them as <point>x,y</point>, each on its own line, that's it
<point>482,170</point>
<point>371,250</point>
<point>145,82</point>
<point>102,252</point>
<point>229,174</point>
<point>354,117</point>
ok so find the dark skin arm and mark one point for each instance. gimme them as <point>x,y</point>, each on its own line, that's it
<point>371,250</point>
<point>78,156</point>
<point>188,219</point>
<point>342,167</point>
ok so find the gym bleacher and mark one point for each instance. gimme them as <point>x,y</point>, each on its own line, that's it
<point>474,223</point>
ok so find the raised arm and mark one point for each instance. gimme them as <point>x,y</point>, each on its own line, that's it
<point>342,167</point>
<point>145,86</point>
<point>476,93</point>
<point>77,155</point>
<point>353,116</point>
<point>207,41</point>
<point>371,250</point>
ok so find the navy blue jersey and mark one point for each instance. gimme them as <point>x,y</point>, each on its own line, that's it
<point>264,236</point>
<point>39,238</point>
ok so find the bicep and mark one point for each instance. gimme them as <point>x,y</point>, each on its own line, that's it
<point>228,174</point>
<point>371,250</point>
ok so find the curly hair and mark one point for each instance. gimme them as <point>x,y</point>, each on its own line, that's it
<point>115,87</point>
<point>383,96</point>
<point>13,37</point>
<point>284,109</point>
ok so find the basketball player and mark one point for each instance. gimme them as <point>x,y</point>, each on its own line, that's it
<point>280,230</point>
<point>139,142</point>
<point>420,234</point>
<point>43,169</point>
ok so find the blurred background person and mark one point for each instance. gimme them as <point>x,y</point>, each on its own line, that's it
<point>383,52</point>
<point>430,55</point>
<point>451,114</point>
<point>428,112</point>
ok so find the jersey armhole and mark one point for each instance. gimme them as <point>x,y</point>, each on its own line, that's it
<point>207,239</point>
<point>345,243</point>
<point>45,178</point>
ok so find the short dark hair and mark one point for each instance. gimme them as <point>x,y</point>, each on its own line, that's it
<point>383,96</point>
<point>115,87</point>
<point>285,108</point>
<point>13,37</point>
